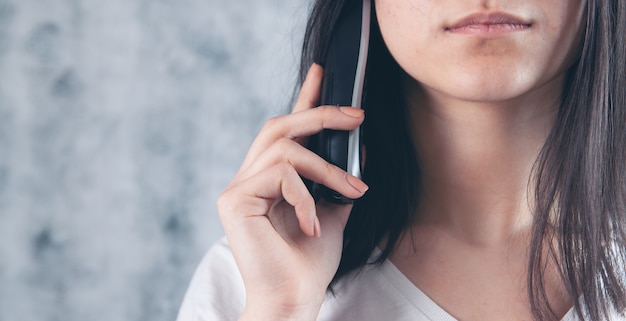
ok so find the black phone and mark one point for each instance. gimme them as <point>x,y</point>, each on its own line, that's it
<point>344,85</point>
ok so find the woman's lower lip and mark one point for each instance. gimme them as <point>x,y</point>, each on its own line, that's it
<point>489,29</point>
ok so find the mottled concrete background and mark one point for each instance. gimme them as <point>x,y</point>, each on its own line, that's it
<point>120,123</point>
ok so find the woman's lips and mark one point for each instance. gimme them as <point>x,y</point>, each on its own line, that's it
<point>488,24</point>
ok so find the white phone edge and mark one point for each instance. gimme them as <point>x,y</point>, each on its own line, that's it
<point>354,144</point>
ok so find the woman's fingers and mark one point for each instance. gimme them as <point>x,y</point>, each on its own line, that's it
<point>311,88</point>
<point>305,120</point>
<point>309,165</point>
<point>267,211</point>
<point>301,124</point>
<point>271,172</point>
<point>276,176</point>
<point>254,197</point>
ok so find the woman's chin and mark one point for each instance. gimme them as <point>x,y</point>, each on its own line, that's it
<point>486,86</point>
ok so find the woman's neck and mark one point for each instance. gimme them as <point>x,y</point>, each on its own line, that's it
<point>476,160</point>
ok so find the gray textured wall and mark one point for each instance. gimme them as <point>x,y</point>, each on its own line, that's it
<point>120,123</point>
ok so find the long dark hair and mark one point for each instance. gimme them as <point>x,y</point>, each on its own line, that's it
<point>580,174</point>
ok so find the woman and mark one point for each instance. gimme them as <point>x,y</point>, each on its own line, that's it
<point>495,165</point>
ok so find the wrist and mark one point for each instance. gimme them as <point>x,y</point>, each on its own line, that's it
<point>275,312</point>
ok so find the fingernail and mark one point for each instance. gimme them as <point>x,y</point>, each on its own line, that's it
<point>316,228</point>
<point>357,184</point>
<point>352,111</point>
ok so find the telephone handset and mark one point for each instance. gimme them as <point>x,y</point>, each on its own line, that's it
<point>343,85</point>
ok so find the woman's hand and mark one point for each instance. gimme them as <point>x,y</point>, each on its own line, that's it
<point>288,248</point>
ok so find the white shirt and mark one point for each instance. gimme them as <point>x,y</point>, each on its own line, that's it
<point>376,293</point>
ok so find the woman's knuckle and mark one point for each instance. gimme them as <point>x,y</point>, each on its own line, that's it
<point>327,114</point>
<point>330,169</point>
<point>272,122</point>
<point>282,145</point>
<point>225,203</point>
<point>306,199</point>
<point>284,169</point>
<point>319,112</point>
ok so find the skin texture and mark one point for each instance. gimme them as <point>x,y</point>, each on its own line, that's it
<point>480,68</point>
<point>481,106</point>
<point>272,224</point>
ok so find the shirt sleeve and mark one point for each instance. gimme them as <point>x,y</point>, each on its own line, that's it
<point>216,292</point>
